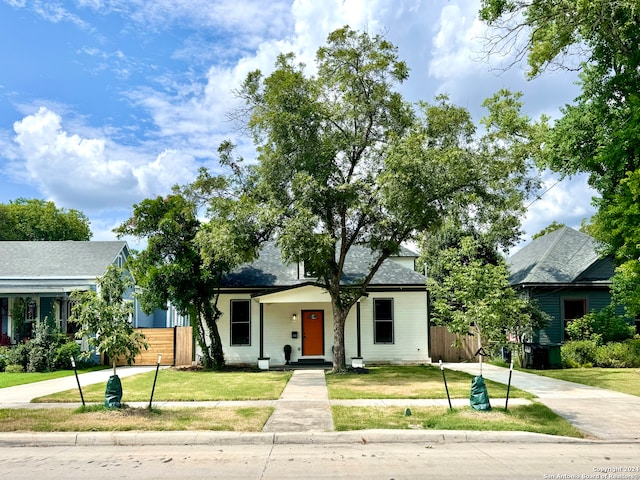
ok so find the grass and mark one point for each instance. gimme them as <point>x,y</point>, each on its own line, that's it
<point>624,380</point>
<point>186,385</point>
<point>534,417</point>
<point>13,379</point>
<point>410,382</point>
<point>100,418</point>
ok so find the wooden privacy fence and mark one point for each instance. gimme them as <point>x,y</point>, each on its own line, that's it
<point>175,344</point>
<point>442,349</point>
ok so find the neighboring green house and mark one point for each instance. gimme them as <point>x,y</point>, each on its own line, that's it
<point>564,271</point>
<point>38,277</point>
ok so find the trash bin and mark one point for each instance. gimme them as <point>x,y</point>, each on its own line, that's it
<point>554,356</point>
<point>479,397</point>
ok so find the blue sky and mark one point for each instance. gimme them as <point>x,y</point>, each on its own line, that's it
<point>106,102</point>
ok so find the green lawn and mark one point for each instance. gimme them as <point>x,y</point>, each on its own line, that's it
<point>529,418</point>
<point>13,379</point>
<point>625,380</point>
<point>410,382</point>
<point>101,419</point>
<point>180,385</point>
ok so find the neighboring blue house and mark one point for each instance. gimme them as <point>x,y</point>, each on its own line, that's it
<point>568,276</point>
<point>43,274</point>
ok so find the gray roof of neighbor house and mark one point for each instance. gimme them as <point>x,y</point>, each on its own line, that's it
<point>51,260</point>
<point>270,271</point>
<point>564,256</point>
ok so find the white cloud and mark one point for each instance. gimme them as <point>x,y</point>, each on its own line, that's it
<point>567,201</point>
<point>93,173</point>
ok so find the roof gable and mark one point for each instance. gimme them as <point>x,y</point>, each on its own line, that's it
<point>269,270</point>
<point>65,259</point>
<point>562,256</point>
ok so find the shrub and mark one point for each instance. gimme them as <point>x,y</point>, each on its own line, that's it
<point>619,355</point>
<point>63,354</point>
<point>18,355</point>
<point>602,327</point>
<point>581,353</point>
<point>3,358</point>
<point>13,368</point>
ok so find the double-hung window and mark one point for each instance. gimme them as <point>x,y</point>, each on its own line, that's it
<point>240,322</point>
<point>383,320</point>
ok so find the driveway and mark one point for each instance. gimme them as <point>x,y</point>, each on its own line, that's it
<point>603,414</point>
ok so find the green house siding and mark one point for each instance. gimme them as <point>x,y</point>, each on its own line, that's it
<point>552,302</point>
<point>47,308</point>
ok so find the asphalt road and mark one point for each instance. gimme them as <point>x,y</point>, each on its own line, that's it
<point>336,461</point>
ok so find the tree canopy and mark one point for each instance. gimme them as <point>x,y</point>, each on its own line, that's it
<point>600,132</point>
<point>344,160</point>
<point>185,259</point>
<point>104,317</point>
<point>36,220</point>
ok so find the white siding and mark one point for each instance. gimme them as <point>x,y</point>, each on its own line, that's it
<point>409,318</point>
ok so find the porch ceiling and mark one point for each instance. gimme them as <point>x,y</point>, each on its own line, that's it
<point>299,294</point>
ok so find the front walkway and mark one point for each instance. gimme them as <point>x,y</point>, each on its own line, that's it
<point>303,406</point>
<point>603,414</point>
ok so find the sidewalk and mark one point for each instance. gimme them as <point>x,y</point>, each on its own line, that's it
<point>303,413</point>
<point>603,414</point>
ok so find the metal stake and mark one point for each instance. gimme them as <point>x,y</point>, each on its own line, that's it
<point>445,384</point>
<point>155,378</point>
<point>73,364</point>
<point>506,403</point>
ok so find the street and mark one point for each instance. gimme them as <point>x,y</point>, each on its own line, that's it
<point>352,461</point>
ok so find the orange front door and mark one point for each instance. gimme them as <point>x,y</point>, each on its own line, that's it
<point>312,332</point>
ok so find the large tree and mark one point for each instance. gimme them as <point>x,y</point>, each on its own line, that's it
<point>470,293</point>
<point>600,132</point>
<point>184,260</point>
<point>35,220</point>
<point>344,160</point>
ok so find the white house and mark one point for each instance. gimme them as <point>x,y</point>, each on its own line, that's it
<point>268,304</point>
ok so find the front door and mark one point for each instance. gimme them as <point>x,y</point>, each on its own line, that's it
<point>312,332</point>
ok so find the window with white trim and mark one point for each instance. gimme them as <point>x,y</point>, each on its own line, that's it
<point>240,322</point>
<point>383,320</point>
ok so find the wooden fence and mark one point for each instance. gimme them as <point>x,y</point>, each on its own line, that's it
<point>175,344</point>
<point>442,349</point>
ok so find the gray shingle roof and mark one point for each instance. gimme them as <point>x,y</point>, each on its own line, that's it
<point>270,271</point>
<point>70,259</point>
<point>560,257</point>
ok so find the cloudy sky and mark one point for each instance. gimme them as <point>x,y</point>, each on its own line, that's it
<point>106,102</point>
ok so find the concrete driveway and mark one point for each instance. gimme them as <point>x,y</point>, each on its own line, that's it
<point>603,414</point>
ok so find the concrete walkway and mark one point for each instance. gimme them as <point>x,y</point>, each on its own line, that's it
<point>304,406</point>
<point>603,414</point>
<point>18,396</point>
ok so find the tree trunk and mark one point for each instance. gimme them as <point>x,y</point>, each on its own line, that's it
<point>339,319</point>
<point>217,352</point>
<point>200,333</point>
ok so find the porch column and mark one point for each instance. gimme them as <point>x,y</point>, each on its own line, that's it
<point>358,329</point>
<point>261,330</point>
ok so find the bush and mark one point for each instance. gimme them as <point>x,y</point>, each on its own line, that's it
<point>13,368</point>
<point>18,355</point>
<point>3,358</point>
<point>587,353</point>
<point>63,354</point>
<point>602,327</point>
<point>581,353</point>
<point>619,355</point>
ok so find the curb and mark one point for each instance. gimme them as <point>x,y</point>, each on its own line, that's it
<point>140,438</point>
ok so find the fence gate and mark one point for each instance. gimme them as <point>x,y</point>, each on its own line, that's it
<point>175,344</point>
<point>442,349</point>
